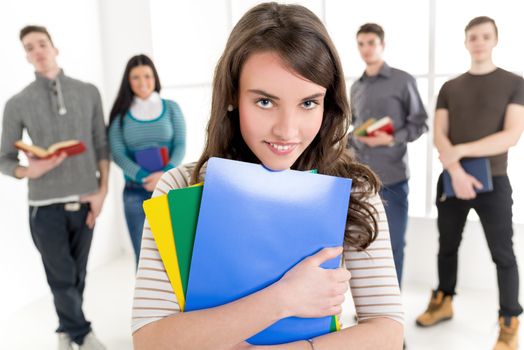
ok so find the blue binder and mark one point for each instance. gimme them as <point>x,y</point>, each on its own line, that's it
<point>152,159</point>
<point>254,225</point>
<point>477,167</point>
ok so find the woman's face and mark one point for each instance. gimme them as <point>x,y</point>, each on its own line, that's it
<point>280,111</point>
<point>142,81</point>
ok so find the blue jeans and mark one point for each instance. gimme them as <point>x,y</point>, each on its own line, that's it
<point>395,199</point>
<point>134,195</point>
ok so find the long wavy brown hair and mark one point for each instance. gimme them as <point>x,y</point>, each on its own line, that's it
<point>301,40</point>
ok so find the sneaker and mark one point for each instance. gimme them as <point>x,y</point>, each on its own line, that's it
<point>509,333</point>
<point>91,343</point>
<point>439,309</point>
<point>64,342</point>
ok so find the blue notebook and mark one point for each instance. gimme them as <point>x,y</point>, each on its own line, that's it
<point>477,167</point>
<point>254,225</point>
<point>152,159</point>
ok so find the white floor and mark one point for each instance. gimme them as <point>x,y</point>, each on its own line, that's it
<point>108,299</point>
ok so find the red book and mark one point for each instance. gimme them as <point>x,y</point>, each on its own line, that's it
<point>165,155</point>
<point>384,124</point>
<point>69,147</point>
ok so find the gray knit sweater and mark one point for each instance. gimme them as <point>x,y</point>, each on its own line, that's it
<point>36,109</point>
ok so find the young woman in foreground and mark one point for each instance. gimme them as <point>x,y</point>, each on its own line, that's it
<point>279,99</point>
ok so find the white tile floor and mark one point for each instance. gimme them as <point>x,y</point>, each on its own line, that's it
<point>108,302</point>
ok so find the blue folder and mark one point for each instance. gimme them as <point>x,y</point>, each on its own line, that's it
<point>477,167</point>
<point>151,159</point>
<point>254,225</point>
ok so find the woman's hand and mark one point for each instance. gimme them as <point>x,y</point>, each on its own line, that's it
<point>150,181</point>
<point>309,290</point>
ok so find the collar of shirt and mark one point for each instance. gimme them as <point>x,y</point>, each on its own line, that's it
<point>385,71</point>
<point>50,83</point>
<point>147,109</point>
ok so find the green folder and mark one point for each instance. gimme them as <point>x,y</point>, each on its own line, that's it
<point>184,206</point>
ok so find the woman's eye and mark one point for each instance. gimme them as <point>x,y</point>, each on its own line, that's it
<point>309,104</point>
<point>264,103</point>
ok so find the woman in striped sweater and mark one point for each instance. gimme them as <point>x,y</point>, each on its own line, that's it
<point>279,99</point>
<point>142,122</point>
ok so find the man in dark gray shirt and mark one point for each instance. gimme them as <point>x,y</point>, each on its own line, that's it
<point>384,91</point>
<point>65,193</point>
<point>479,114</point>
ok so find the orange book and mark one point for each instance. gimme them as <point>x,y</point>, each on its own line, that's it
<point>69,147</point>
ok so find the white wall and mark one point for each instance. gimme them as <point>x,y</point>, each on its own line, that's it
<point>95,39</point>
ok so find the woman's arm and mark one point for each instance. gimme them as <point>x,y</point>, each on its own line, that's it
<point>364,336</point>
<point>307,290</point>
<point>216,328</point>
<point>120,155</point>
<point>376,294</point>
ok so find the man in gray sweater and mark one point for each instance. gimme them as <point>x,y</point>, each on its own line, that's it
<point>66,194</point>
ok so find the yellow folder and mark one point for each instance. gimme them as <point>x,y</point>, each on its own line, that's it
<point>157,213</point>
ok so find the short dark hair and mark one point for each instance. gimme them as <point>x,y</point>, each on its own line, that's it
<point>372,28</point>
<point>481,20</point>
<point>34,28</point>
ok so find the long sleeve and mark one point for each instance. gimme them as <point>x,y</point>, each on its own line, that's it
<point>12,129</point>
<point>99,128</point>
<point>179,137</point>
<point>416,119</point>
<point>373,282</point>
<point>120,154</point>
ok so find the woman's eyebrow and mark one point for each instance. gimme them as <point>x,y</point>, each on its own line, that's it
<point>320,94</point>
<point>273,97</point>
<point>263,93</point>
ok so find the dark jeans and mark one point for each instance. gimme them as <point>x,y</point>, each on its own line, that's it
<point>63,240</point>
<point>134,196</point>
<point>395,199</point>
<point>495,213</point>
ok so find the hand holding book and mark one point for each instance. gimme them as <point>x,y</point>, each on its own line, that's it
<point>464,181</point>
<point>311,291</point>
<point>372,127</point>
<point>374,133</point>
<point>38,167</point>
<point>69,147</point>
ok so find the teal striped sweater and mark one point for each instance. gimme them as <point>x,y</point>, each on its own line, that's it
<point>168,130</point>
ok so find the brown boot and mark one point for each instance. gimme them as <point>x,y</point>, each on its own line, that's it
<point>509,334</point>
<point>439,309</point>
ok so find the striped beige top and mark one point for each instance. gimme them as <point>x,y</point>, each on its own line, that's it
<point>373,283</point>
